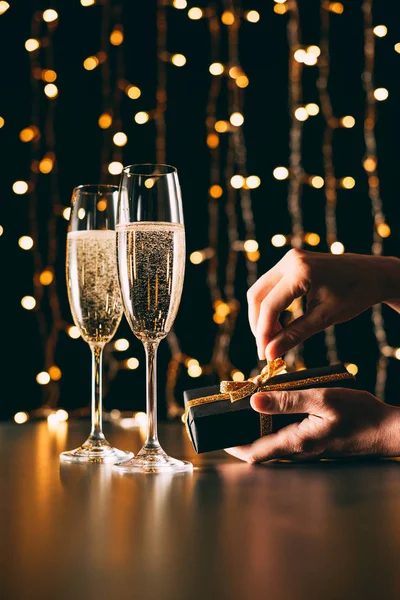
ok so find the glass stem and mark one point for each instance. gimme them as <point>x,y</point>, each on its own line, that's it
<point>151,394</point>
<point>97,392</point>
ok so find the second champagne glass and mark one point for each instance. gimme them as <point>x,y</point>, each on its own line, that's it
<point>151,268</point>
<point>94,298</point>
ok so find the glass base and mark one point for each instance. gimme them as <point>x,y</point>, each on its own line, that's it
<point>153,460</point>
<point>95,451</point>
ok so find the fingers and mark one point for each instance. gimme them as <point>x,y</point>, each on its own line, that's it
<point>258,292</point>
<point>276,301</point>
<point>314,320</point>
<point>296,401</point>
<point>287,442</point>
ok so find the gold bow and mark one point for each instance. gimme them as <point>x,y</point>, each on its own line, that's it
<point>238,390</point>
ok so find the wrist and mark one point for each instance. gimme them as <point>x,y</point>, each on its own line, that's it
<point>390,282</point>
<point>390,432</point>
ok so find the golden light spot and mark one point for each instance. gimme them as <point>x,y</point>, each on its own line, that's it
<point>115,167</point>
<point>105,121</point>
<point>73,332</point>
<point>337,248</point>
<point>317,182</point>
<point>178,60</point>
<point>336,7</point>
<point>195,13</point>
<point>120,138</point>
<point>179,4</point>
<point>55,374</point>
<point>310,59</point>
<point>4,6</point>
<point>348,182</point>
<point>381,94</point>
<point>46,277</point>
<point>218,319</point>
<point>149,183</point>
<point>1,230</point>
<point>215,191</point>
<point>32,44</point>
<point>90,63</point>
<point>133,92</point>
<point>380,31</point>
<point>235,72</point>
<point>81,213</point>
<point>312,109</point>
<point>301,114</point>
<point>50,15</point>
<point>242,81</point>
<point>236,119</point>
<point>252,16</point>
<point>21,417</point>
<point>227,17</point>
<point>253,181</point>
<point>251,246</point>
<point>49,75</point>
<point>221,126</point>
<point>190,362</point>
<point>46,165</point>
<point>216,68</point>
<point>280,9</point>
<point>43,378</point>
<point>397,353</point>
<point>300,55</point>
<point>237,181</point>
<point>102,205</point>
<point>278,240</point>
<point>51,90</point>
<point>87,2</point>
<point>67,213</point>
<point>280,173</point>
<point>25,242</point>
<point>132,363</point>
<point>195,371</point>
<point>141,117</point>
<point>384,230</point>
<point>351,368</point>
<point>316,50</point>
<point>121,345</point>
<point>312,239</point>
<point>237,376</point>
<point>397,47</point>
<point>61,414</point>
<point>212,140</point>
<point>222,309</point>
<point>116,37</point>
<point>253,256</point>
<point>369,164</point>
<point>196,257</point>
<point>348,122</point>
<point>20,187</point>
<point>1,122</point>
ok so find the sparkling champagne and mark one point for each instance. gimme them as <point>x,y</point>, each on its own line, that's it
<point>152,269</point>
<point>92,283</point>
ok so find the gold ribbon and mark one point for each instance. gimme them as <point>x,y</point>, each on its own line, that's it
<point>237,390</point>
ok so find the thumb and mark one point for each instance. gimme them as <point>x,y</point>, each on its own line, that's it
<point>299,330</point>
<point>296,401</point>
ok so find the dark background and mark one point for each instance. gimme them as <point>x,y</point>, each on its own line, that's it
<point>80,147</point>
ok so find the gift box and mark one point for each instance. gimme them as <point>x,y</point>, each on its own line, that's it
<point>218,417</point>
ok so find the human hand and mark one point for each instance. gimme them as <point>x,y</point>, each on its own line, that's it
<point>337,288</point>
<point>340,423</point>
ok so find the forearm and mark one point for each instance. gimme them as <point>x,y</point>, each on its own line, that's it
<point>389,432</point>
<point>390,281</point>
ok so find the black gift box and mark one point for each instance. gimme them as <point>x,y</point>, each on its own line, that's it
<point>223,424</point>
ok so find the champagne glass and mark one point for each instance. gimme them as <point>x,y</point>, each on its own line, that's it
<point>151,269</point>
<point>94,298</point>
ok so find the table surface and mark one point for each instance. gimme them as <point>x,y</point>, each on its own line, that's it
<point>328,530</point>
